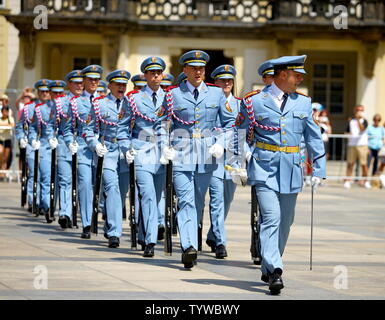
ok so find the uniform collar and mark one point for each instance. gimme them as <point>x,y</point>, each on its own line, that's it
<point>149,91</point>
<point>191,88</point>
<point>276,92</point>
<point>228,99</point>
<point>87,94</point>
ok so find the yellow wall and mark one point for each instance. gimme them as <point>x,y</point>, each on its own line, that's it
<point>3,53</point>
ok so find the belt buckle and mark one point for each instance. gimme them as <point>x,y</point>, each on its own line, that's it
<point>196,135</point>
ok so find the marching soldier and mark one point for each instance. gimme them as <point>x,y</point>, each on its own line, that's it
<point>22,130</point>
<point>222,187</point>
<point>74,81</point>
<point>136,136</point>
<point>181,78</point>
<point>102,88</point>
<point>41,138</point>
<point>101,137</point>
<point>167,81</point>
<point>74,138</point>
<point>276,119</point>
<point>193,108</point>
<point>139,81</point>
<point>266,71</point>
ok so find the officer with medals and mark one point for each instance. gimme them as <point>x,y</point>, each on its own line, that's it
<point>101,137</point>
<point>194,109</point>
<point>41,138</point>
<point>74,81</point>
<point>80,108</point>
<point>139,81</point>
<point>137,140</point>
<point>222,187</point>
<point>277,118</point>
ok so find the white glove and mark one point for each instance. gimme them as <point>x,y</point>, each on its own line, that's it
<point>23,143</point>
<point>168,154</point>
<point>315,182</point>
<point>35,145</point>
<point>100,150</point>
<point>248,156</point>
<point>53,143</point>
<point>216,150</point>
<point>130,156</point>
<point>73,146</point>
<point>239,176</point>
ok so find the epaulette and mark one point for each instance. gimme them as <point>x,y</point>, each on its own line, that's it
<point>238,98</point>
<point>28,103</point>
<point>170,88</point>
<point>252,93</point>
<point>61,96</point>
<point>39,104</point>
<point>98,98</point>
<point>302,94</point>
<point>211,84</point>
<point>132,92</point>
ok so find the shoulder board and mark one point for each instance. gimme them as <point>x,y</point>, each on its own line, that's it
<point>302,94</point>
<point>29,103</point>
<point>98,98</point>
<point>211,85</point>
<point>61,96</point>
<point>132,92</point>
<point>170,88</point>
<point>39,104</point>
<point>252,93</point>
<point>238,98</point>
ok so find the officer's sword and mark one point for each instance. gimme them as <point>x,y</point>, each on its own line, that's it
<point>35,209</point>
<point>74,164</point>
<point>311,227</point>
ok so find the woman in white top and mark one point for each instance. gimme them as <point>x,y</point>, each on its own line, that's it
<point>7,122</point>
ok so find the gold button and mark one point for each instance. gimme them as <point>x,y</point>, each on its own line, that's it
<point>197,129</point>
<point>283,132</point>
<point>196,109</point>
<point>283,125</point>
<point>282,118</point>
<point>197,116</point>
<point>196,122</point>
<point>284,141</point>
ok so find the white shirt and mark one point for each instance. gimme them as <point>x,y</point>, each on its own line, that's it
<point>277,94</point>
<point>359,138</point>
<point>191,88</point>
<point>149,91</point>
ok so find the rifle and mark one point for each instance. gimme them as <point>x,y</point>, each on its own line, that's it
<point>50,217</point>
<point>23,158</point>
<point>200,230</point>
<point>169,204</point>
<point>97,187</point>
<point>35,210</point>
<point>132,207</point>
<point>174,212</point>
<point>74,167</point>
<point>255,248</point>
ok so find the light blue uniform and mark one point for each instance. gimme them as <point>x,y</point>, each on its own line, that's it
<point>222,189</point>
<point>106,126</point>
<point>82,108</point>
<point>43,121</point>
<point>22,129</point>
<point>150,174</point>
<point>277,175</point>
<point>192,125</point>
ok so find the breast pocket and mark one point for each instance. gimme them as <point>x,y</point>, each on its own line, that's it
<point>211,112</point>
<point>262,118</point>
<point>182,113</point>
<point>299,119</point>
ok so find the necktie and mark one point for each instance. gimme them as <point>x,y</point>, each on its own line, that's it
<point>117,103</point>
<point>154,98</point>
<point>196,94</point>
<point>285,96</point>
<point>91,98</point>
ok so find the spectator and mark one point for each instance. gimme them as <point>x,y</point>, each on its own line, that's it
<point>376,135</point>
<point>5,138</point>
<point>26,97</point>
<point>357,146</point>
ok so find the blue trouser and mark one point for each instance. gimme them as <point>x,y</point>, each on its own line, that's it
<point>277,210</point>
<point>85,193</point>
<point>221,195</point>
<point>162,208</point>
<point>190,188</point>
<point>44,181</point>
<point>124,181</point>
<point>64,170</point>
<point>150,187</point>
<point>113,203</point>
<point>30,163</point>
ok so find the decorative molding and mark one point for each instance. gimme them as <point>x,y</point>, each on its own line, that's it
<point>369,56</point>
<point>28,40</point>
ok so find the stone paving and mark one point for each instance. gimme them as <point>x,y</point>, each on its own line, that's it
<point>41,261</point>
